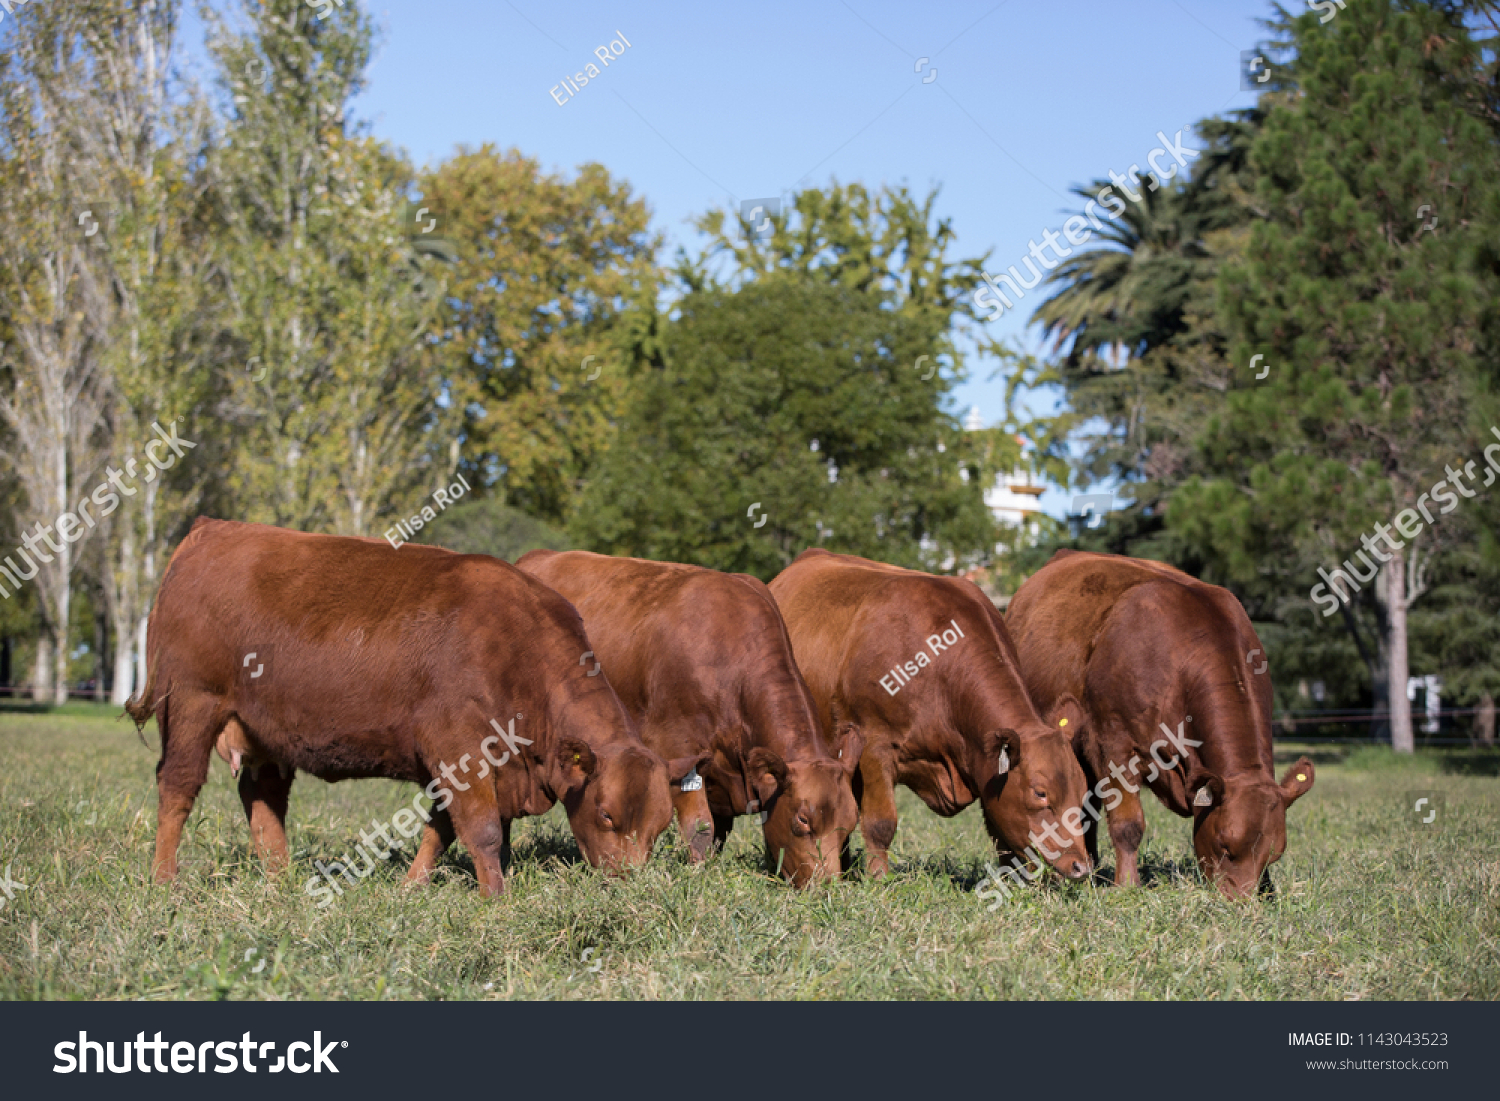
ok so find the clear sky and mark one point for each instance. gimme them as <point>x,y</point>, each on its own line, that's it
<point>713,104</point>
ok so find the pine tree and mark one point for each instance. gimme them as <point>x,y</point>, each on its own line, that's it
<point>1363,309</point>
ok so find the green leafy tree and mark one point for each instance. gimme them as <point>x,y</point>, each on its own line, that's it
<point>782,415</point>
<point>341,415</point>
<point>1365,315</point>
<point>1141,358</point>
<point>545,267</point>
<point>56,296</point>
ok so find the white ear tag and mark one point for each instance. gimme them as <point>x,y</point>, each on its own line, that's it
<point>1204,798</point>
<point>692,781</point>
<point>1004,762</point>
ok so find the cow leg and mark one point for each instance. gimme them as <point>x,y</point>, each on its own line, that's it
<point>877,809</point>
<point>696,822</point>
<point>846,850</point>
<point>437,836</point>
<point>187,741</point>
<point>722,828</point>
<point>1127,826</point>
<point>1091,815</point>
<point>476,820</point>
<point>264,791</point>
<point>505,844</point>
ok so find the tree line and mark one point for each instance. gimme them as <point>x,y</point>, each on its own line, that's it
<point>338,333</point>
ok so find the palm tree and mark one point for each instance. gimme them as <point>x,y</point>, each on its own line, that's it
<point>1133,320</point>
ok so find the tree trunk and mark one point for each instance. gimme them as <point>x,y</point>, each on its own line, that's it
<point>1380,729</point>
<point>41,674</point>
<point>1397,667</point>
<point>64,610</point>
<point>122,594</point>
<point>101,643</point>
<point>140,651</point>
<point>1485,719</point>
<point>124,683</point>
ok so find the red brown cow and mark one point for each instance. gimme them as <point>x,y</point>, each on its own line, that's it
<point>921,666</point>
<point>402,663</point>
<point>703,664</point>
<point>1144,646</point>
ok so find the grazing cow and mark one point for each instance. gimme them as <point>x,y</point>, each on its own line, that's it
<point>702,662</point>
<point>921,666</point>
<point>394,662</point>
<point>1144,646</point>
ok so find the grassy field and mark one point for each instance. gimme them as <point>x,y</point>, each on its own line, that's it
<point>1372,904</point>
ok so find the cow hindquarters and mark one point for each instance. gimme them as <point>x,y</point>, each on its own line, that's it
<point>264,791</point>
<point>188,725</point>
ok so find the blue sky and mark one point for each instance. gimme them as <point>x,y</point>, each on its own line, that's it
<point>714,104</point>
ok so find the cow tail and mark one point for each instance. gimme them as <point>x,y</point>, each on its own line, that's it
<point>144,704</point>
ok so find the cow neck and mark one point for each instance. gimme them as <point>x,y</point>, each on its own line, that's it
<point>779,716</point>
<point>988,698</point>
<point>591,712</point>
<point>1232,722</point>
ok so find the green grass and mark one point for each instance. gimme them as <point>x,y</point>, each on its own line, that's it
<point>1370,905</point>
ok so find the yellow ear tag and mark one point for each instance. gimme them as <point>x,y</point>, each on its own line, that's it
<point>1301,778</point>
<point>575,758</point>
<point>1064,722</point>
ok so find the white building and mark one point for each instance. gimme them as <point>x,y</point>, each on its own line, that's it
<point>1013,499</point>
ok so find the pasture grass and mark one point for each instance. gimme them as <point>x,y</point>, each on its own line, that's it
<point>1371,904</point>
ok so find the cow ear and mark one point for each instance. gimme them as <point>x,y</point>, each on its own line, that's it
<point>1298,781</point>
<point>1066,715</point>
<point>1207,789</point>
<point>573,762</point>
<point>1003,750</point>
<point>849,748</point>
<point>680,768</point>
<point>766,773</point>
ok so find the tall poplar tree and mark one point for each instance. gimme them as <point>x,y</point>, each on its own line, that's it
<point>340,414</point>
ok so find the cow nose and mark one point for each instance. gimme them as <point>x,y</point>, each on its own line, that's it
<point>1078,869</point>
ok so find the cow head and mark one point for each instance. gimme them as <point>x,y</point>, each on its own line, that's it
<point>616,798</point>
<point>810,808</point>
<point>1239,825</point>
<point>1033,799</point>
